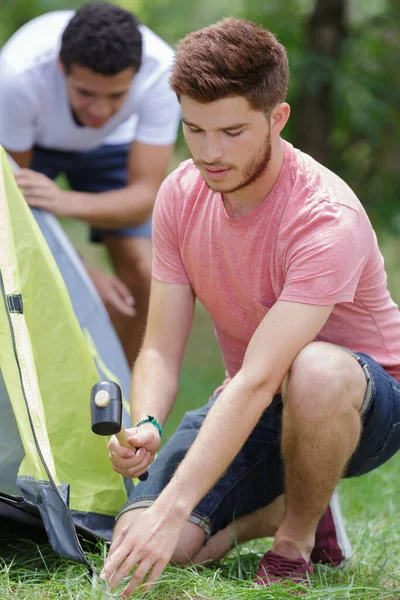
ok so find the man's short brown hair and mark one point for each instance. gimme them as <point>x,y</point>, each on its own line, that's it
<point>232,58</point>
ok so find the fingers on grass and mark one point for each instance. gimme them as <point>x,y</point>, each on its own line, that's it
<point>140,574</point>
<point>124,567</point>
<point>117,542</point>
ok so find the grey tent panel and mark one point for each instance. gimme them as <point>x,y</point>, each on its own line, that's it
<point>85,300</point>
<point>11,448</point>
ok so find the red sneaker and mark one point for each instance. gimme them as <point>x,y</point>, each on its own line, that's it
<point>332,546</point>
<point>275,568</point>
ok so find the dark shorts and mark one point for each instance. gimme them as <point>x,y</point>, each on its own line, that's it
<point>255,477</point>
<point>101,170</point>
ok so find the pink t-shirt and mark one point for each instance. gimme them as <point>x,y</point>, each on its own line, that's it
<point>309,241</point>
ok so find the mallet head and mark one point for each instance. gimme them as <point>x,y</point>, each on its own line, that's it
<point>106,408</point>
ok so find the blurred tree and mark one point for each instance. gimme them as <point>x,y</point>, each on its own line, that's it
<point>15,13</point>
<point>365,141</point>
<point>345,89</point>
<point>313,111</point>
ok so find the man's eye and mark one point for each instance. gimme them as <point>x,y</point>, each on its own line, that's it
<point>85,93</point>
<point>234,133</point>
<point>193,129</point>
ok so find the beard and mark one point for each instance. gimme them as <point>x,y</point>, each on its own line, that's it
<point>252,171</point>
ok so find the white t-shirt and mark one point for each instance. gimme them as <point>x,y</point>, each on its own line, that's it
<point>34,105</point>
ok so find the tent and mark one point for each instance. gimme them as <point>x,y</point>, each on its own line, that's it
<point>56,341</point>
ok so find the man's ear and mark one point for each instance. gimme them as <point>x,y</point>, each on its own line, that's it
<point>279,117</point>
<point>61,65</point>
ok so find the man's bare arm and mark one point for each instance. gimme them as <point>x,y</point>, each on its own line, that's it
<point>156,373</point>
<point>132,205</point>
<point>23,159</point>
<point>157,369</point>
<point>127,207</point>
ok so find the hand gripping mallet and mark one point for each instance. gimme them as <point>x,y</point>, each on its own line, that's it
<point>106,410</point>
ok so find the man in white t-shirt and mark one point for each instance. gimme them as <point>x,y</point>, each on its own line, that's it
<point>87,94</point>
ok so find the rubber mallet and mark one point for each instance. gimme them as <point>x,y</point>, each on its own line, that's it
<point>106,410</point>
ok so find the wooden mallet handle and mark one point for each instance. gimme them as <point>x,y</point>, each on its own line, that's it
<point>122,437</point>
<point>107,397</point>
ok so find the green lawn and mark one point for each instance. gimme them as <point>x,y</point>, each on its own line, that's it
<point>371,506</point>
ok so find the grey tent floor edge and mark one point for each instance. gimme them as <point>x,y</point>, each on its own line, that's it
<point>52,499</point>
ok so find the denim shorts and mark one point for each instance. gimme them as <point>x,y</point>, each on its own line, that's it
<point>255,477</point>
<point>101,170</point>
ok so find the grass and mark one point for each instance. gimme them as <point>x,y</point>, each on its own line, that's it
<point>371,506</point>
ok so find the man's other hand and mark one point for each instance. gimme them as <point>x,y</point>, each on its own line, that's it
<point>147,544</point>
<point>41,192</point>
<point>115,295</point>
<point>132,462</point>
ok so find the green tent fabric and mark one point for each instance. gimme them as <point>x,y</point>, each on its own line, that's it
<point>50,458</point>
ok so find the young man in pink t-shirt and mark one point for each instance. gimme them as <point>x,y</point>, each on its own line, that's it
<point>282,255</point>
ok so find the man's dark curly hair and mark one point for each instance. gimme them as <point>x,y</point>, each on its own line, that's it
<point>102,37</point>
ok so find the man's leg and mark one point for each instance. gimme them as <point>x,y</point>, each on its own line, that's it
<point>102,170</point>
<point>261,523</point>
<point>332,545</point>
<point>321,429</point>
<point>131,259</point>
<point>253,480</point>
<point>321,426</point>
<point>191,549</point>
<point>246,503</point>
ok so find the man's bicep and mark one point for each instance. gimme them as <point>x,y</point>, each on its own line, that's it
<point>170,319</point>
<point>23,159</point>
<point>148,163</point>
<point>284,331</point>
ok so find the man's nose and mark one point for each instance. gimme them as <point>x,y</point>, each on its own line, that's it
<point>211,151</point>
<point>100,109</point>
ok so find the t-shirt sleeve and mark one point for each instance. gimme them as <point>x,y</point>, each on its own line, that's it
<point>167,259</point>
<point>17,113</point>
<point>158,114</point>
<point>325,261</point>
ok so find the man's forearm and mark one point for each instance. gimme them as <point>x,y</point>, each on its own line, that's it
<point>154,386</point>
<point>226,428</point>
<point>127,207</point>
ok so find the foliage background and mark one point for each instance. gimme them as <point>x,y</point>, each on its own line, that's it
<point>345,80</point>
<point>344,93</point>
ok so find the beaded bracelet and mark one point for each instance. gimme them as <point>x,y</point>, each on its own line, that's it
<point>150,419</point>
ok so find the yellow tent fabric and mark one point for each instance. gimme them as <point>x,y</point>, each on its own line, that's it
<point>43,353</point>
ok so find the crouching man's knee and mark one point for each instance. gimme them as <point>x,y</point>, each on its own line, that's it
<point>324,379</point>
